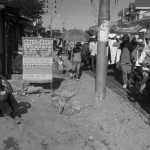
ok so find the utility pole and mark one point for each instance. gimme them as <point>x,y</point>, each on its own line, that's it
<point>51,25</point>
<point>102,45</point>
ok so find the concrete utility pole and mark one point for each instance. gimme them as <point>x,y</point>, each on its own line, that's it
<point>51,30</point>
<point>102,43</point>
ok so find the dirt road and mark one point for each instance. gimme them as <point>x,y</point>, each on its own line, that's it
<point>39,123</point>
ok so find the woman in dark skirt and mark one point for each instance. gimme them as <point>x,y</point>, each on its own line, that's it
<point>7,100</point>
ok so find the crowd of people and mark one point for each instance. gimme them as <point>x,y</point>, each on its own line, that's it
<point>79,53</point>
<point>131,56</point>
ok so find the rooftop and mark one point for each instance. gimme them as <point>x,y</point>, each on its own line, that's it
<point>142,4</point>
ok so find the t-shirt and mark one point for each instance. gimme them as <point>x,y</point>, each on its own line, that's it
<point>60,62</point>
<point>85,48</point>
<point>77,57</point>
<point>93,48</point>
<point>125,56</point>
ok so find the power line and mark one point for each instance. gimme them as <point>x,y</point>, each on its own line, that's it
<point>59,5</point>
<point>94,11</point>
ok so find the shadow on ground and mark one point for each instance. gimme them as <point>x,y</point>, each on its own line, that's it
<point>133,96</point>
<point>129,94</point>
<point>55,84</point>
<point>22,108</point>
<point>116,74</point>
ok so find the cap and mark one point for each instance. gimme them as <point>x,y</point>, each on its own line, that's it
<point>117,36</point>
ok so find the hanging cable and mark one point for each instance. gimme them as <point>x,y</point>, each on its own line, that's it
<point>59,5</point>
<point>94,10</point>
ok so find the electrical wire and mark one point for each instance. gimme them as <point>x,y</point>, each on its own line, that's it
<point>94,10</point>
<point>59,6</point>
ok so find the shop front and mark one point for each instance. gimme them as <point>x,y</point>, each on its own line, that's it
<point>11,33</point>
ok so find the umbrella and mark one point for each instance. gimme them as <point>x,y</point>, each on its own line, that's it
<point>75,35</point>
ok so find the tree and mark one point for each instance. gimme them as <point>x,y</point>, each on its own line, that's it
<point>29,8</point>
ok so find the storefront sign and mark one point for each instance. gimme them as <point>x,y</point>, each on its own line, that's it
<point>37,59</point>
<point>132,29</point>
<point>2,6</point>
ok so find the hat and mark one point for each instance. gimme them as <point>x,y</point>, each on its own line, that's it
<point>140,40</point>
<point>112,35</point>
<point>136,36</point>
<point>117,36</point>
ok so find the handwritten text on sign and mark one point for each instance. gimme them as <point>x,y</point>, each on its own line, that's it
<point>37,59</point>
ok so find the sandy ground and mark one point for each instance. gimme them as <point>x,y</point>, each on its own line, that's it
<point>65,120</point>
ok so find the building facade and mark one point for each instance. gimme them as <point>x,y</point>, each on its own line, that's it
<point>138,10</point>
<point>11,32</point>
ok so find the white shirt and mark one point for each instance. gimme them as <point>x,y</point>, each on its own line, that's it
<point>93,48</point>
<point>143,55</point>
<point>60,62</point>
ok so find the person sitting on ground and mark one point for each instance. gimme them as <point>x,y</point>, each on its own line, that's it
<point>7,100</point>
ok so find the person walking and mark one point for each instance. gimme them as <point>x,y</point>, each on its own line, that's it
<point>70,49</point>
<point>133,44</point>
<point>85,54</point>
<point>118,51</point>
<point>125,61</point>
<point>93,50</point>
<point>60,47</point>
<point>136,70</point>
<point>76,64</point>
<point>144,61</point>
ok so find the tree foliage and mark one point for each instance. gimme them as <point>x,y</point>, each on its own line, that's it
<point>33,9</point>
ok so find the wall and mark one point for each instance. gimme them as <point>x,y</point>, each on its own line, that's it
<point>2,43</point>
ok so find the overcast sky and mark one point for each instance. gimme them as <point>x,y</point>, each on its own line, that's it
<point>80,14</point>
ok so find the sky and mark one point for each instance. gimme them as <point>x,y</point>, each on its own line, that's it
<point>80,14</point>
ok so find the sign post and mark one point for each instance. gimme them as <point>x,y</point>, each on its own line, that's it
<point>37,59</point>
